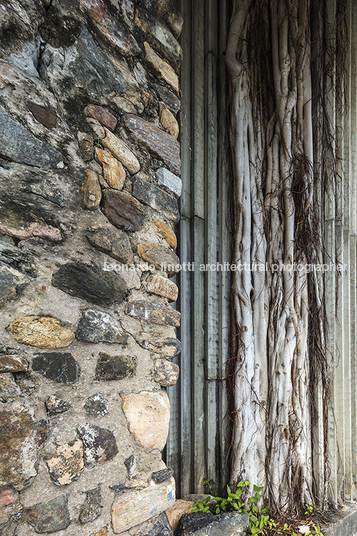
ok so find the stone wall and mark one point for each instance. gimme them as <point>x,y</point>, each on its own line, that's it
<point>89,175</point>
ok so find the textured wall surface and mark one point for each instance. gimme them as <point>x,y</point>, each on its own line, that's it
<point>89,181</point>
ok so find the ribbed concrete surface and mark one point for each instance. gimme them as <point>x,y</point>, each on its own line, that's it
<point>346,525</point>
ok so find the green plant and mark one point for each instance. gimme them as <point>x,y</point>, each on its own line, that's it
<point>237,501</point>
<point>240,501</point>
<point>309,509</point>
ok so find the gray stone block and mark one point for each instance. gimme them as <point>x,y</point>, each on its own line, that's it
<point>171,181</point>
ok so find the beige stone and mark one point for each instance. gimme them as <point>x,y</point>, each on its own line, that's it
<point>121,151</point>
<point>134,507</point>
<point>175,512</point>
<point>168,233</point>
<point>92,193</point>
<point>67,464</point>
<point>168,121</point>
<point>125,106</point>
<point>148,415</point>
<point>113,170</point>
<point>161,67</point>
<point>162,287</point>
<point>42,332</point>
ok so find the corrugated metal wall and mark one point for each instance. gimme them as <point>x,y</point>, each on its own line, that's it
<point>199,432</point>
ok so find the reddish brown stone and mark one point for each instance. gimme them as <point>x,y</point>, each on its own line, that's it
<point>175,512</point>
<point>162,258</point>
<point>109,28</point>
<point>168,233</point>
<point>8,496</point>
<point>157,314</point>
<point>123,210</point>
<point>102,115</point>
<point>158,142</point>
<point>44,115</point>
<point>13,363</point>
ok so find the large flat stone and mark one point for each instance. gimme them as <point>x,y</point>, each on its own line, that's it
<point>123,210</point>
<point>134,507</point>
<point>159,37</point>
<point>50,516</point>
<point>42,332</point>
<point>148,416</point>
<point>57,367</point>
<point>19,145</point>
<point>90,283</point>
<point>150,312</point>
<point>201,524</point>
<point>99,444</point>
<point>95,326</point>
<point>157,198</point>
<point>113,242</point>
<point>162,69</point>
<point>21,440</point>
<point>158,142</point>
<point>109,27</point>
